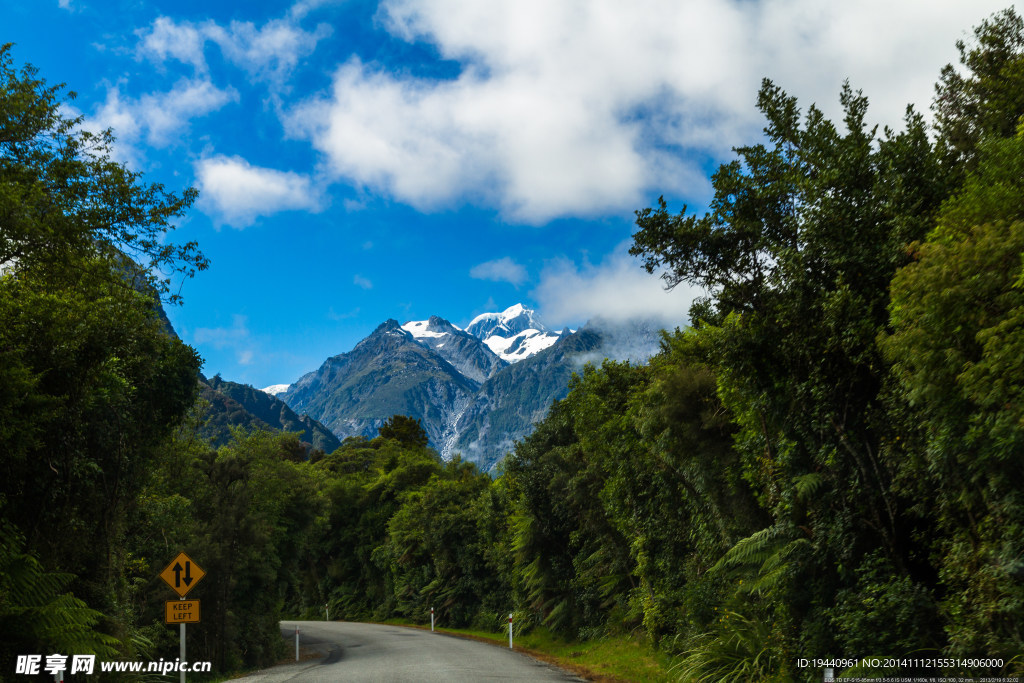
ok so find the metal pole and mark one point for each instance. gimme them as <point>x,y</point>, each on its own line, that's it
<point>510,631</point>
<point>181,652</point>
<point>431,619</point>
<point>296,643</point>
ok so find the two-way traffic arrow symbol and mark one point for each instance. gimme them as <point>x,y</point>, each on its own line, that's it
<point>182,573</point>
<point>177,574</point>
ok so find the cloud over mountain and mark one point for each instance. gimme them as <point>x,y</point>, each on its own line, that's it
<point>579,108</point>
<point>500,270</point>
<point>617,288</point>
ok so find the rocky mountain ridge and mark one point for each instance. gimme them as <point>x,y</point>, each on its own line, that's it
<point>239,405</point>
<point>470,399</point>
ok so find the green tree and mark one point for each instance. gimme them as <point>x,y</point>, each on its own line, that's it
<point>572,563</point>
<point>65,203</point>
<point>988,99</point>
<point>802,238</point>
<point>956,349</point>
<point>682,498</point>
<point>405,430</point>
<point>92,384</point>
<point>34,608</point>
<point>365,482</point>
<point>436,554</point>
<point>245,514</point>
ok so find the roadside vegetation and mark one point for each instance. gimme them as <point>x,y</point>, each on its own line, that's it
<point>609,658</point>
<point>825,464</point>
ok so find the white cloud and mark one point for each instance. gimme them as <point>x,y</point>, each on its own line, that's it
<point>580,107</point>
<point>500,270</point>
<point>167,38</point>
<point>158,119</point>
<point>236,192</point>
<point>360,281</point>
<point>616,289</point>
<point>300,9</point>
<point>269,52</point>
<point>165,114</point>
<point>333,315</point>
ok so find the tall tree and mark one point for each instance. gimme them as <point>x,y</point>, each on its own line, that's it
<point>957,347</point>
<point>91,382</point>
<point>987,98</point>
<point>802,238</point>
<point>63,200</point>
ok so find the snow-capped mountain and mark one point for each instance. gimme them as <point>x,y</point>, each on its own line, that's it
<point>513,334</point>
<point>520,346</point>
<point>467,353</point>
<point>510,403</point>
<point>388,373</point>
<point>511,321</point>
<point>275,389</point>
<point>475,390</point>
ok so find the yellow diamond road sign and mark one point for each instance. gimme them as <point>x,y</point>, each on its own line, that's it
<point>182,574</point>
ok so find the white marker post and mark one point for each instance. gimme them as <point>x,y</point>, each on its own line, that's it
<point>327,612</point>
<point>510,631</point>
<point>182,647</point>
<point>296,643</point>
<point>431,619</point>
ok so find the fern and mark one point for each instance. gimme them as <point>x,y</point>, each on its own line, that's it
<point>752,550</point>
<point>808,484</point>
<point>738,649</point>
<point>770,555</point>
<point>36,604</point>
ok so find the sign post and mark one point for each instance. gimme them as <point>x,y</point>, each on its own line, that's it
<point>181,650</point>
<point>510,631</point>
<point>182,575</point>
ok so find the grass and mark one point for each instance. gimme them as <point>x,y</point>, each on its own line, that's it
<point>613,658</point>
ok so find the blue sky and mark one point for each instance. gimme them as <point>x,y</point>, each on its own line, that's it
<point>359,161</point>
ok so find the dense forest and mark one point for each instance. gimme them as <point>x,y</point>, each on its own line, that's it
<point>827,462</point>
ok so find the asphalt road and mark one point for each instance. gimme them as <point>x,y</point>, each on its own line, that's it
<point>349,651</point>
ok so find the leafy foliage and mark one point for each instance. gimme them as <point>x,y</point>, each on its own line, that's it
<point>956,351</point>
<point>827,462</point>
<point>62,198</point>
<point>35,609</point>
<point>92,383</point>
<point>989,98</point>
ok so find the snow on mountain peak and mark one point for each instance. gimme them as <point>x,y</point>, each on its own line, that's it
<point>432,328</point>
<point>514,310</point>
<point>275,389</point>
<point>522,345</point>
<point>513,334</point>
<point>421,329</point>
<point>508,323</point>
